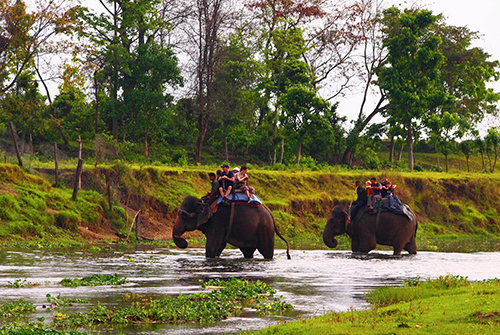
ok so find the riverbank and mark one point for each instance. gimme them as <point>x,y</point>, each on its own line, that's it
<point>447,305</point>
<point>451,208</point>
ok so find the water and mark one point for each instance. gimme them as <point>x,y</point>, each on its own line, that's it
<point>315,282</point>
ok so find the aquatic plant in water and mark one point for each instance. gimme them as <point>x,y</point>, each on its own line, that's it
<point>21,283</point>
<point>94,280</point>
<point>16,308</point>
<point>225,299</point>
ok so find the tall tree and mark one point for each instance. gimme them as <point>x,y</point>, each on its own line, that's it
<point>204,29</point>
<point>411,77</point>
<point>135,63</point>
<point>274,19</point>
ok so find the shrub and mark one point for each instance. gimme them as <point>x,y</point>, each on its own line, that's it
<point>68,220</point>
<point>9,208</point>
<point>370,159</point>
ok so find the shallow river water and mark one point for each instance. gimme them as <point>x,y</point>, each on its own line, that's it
<point>314,282</point>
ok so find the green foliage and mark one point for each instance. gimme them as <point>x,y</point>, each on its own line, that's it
<point>94,280</point>
<point>34,329</point>
<point>446,305</point>
<point>415,289</point>
<point>224,299</point>
<point>21,283</point>
<point>16,308</point>
<point>369,159</point>
<point>68,220</point>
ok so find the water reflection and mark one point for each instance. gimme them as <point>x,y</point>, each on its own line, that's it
<point>315,282</point>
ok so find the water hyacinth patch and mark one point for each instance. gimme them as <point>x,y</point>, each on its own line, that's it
<point>94,280</point>
<point>16,308</point>
<point>21,283</point>
<point>226,299</point>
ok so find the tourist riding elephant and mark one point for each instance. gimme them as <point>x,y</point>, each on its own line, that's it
<point>391,229</point>
<point>252,228</point>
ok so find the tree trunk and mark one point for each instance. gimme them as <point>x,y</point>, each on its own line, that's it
<point>58,123</point>
<point>32,150</point>
<point>299,151</point>
<point>495,162</point>
<point>391,149</point>
<point>468,164</point>
<point>96,116</point>
<point>16,145</point>
<point>352,138</point>
<point>56,165</point>
<point>282,150</point>
<point>446,162</point>
<point>409,142</point>
<point>108,190</point>
<point>400,155</point>
<point>115,136</point>
<point>146,148</point>
<point>78,175</point>
<point>346,157</point>
<point>199,145</point>
<point>439,165</point>
<point>483,163</point>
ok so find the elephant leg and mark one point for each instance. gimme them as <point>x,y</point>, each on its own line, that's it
<point>411,246</point>
<point>265,243</point>
<point>355,244</point>
<point>397,250</point>
<point>221,248</point>
<point>368,244</point>
<point>248,252</point>
<point>214,247</point>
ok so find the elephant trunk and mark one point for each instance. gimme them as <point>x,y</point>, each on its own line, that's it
<point>328,236</point>
<point>179,229</point>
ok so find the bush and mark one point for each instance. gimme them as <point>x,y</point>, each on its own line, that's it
<point>370,159</point>
<point>9,208</point>
<point>68,220</point>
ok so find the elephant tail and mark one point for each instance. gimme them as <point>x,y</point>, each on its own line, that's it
<point>279,234</point>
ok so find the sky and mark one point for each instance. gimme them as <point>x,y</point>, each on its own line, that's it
<point>477,15</point>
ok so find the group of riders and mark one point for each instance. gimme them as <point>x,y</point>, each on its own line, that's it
<point>372,194</point>
<point>225,182</point>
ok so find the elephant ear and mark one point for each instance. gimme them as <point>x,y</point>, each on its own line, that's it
<point>204,214</point>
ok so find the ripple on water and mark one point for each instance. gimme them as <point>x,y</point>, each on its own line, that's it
<point>315,282</point>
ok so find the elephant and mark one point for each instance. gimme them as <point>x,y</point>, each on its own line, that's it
<point>252,229</point>
<point>392,229</point>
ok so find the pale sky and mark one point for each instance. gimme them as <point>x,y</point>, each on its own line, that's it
<point>477,15</point>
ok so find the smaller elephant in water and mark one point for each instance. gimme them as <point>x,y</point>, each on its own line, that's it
<point>365,232</point>
<point>252,229</point>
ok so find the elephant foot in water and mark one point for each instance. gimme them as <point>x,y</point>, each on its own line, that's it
<point>248,252</point>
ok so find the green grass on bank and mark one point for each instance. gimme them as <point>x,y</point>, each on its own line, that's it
<point>447,305</point>
<point>451,208</point>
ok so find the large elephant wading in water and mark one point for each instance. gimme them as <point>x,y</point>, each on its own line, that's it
<point>252,229</point>
<point>392,229</point>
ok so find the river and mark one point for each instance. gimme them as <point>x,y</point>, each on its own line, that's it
<point>315,282</point>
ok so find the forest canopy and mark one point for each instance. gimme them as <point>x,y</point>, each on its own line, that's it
<point>255,81</point>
